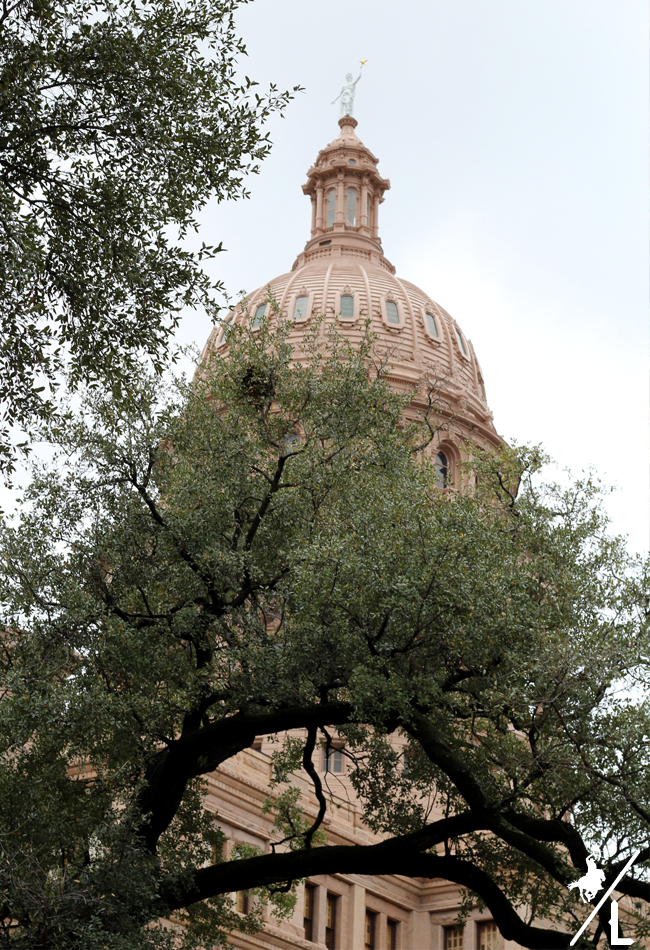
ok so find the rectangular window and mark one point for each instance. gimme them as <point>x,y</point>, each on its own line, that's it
<point>259,315</point>
<point>453,938</point>
<point>330,921</point>
<point>371,920</point>
<point>332,760</point>
<point>300,309</point>
<point>241,902</point>
<point>391,935</point>
<point>308,914</point>
<point>488,936</point>
<point>347,307</point>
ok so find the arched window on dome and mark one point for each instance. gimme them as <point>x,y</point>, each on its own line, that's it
<point>461,341</point>
<point>331,207</point>
<point>259,315</point>
<point>351,208</point>
<point>392,313</point>
<point>432,326</point>
<point>347,306</point>
<point>442,469</point>
<point>300,308</point>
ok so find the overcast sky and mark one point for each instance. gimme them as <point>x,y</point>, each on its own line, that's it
<point>515,137</point>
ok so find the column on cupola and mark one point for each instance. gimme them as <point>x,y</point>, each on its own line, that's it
<point>313,215</point>
<point>375,218</point>
<point>364,204</point>
<point>340,200</point>
<point>319,206</point>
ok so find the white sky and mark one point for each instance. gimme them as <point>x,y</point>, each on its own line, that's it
<point>515,134</point>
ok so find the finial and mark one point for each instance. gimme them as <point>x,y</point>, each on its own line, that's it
<point>346,95</point>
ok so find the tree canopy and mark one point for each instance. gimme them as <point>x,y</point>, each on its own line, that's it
<point>264,550</point>
<point>118,120</point>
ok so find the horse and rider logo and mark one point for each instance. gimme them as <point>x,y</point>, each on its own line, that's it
<point>591,882</point>
<point>589,885</point>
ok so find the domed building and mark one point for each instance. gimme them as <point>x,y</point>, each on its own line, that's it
<point>343,276</point>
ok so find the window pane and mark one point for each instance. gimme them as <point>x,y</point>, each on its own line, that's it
<point>392,312</point>
<point>352,207</point>
<point>461,342</point>
<point>453,938</point>
<point>331,207</point>
<point>431,324</point>
<point>442,469</point>
<point>488,936</point>
<point>259,314</point>
<point>347,307</point>
<point>370,931</point>
<point>333,761</point>
<point>300,310</point>
<point>308,914</point>
<point>241,902</point>
<point>330,922</point>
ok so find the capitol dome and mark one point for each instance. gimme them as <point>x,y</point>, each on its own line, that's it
<point>342,274</point>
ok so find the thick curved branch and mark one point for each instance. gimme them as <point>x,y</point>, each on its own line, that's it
<point>203,750</point>
<point>395,856</point>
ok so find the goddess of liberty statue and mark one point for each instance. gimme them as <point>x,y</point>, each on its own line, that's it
<point>346,95</point>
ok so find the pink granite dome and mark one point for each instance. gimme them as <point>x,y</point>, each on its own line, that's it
<point>342,274</point>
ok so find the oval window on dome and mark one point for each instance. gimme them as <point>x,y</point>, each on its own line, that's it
<point>392,313</point>
<point>351,208</point>
<point>347,306</point>
<point>331,207</point>
<point>432,326</point>
<point>300,308</point>
<point>351,161</point>
<point>259,315</point>
<point>442,469</point>
<point>461,342</point>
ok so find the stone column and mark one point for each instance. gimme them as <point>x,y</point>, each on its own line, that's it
<point>340,201</point>
<point>320,914</point>
<point>363,217</point>
<point>313,216</point>
<point>418,931</point>
<point>319,206</point>
<point>375,218</point>
<point>357,923</point>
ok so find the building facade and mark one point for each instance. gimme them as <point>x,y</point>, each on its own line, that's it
<point>343,276</point>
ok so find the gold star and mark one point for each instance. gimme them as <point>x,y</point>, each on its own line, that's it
<point>363,62</point>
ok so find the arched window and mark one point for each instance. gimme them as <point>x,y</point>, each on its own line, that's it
<point>331,207</point>
<point>300,309</point>
<point>347,306</point>
<point>392,313</point>
<point>432,327</point>
<point>442,469</point>
<point>259,315</point>
<point>461,342</point>
<point>351,208</point>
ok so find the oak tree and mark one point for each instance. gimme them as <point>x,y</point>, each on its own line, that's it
<point>266,549</point>
<point>119,119</point>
